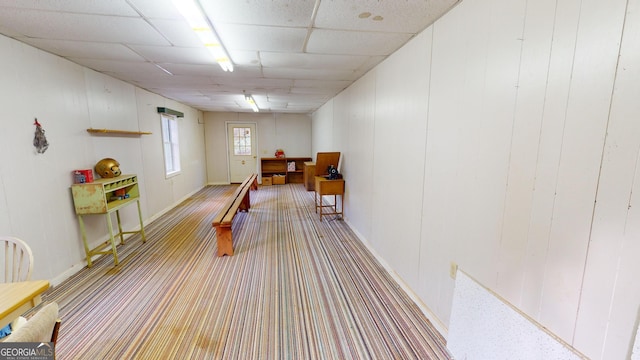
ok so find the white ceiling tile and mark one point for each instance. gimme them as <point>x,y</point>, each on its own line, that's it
<point>131,39</point>
<point>113,66</point>
<point>193,69</point>
<point>274,12</point>
<point>318,74</point>
<point>87,50</point>
<point>156,9</point>
<point>406,16</point>
<point>333,84</point>
<point>80,27</point>
<point>371,62</point>
<point>245,58</point>
<point>112,7</point>
<point>255,83</point>
<point>355,43</point>
<point>175,81</point>
<point>262,38</point>
<point>313,90</point>
<point>244,72</point>
<point>173,54</point>
<point>177,32</point>
<point>312,61</point>
<point>294,98</point>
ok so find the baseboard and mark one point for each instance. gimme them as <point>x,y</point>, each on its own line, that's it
<point>68,273</point>
<point>435,321</point>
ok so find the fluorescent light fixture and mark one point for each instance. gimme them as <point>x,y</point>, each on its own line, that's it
<point>201,25</point>
<point>163,69</point>
<point>251,102</point>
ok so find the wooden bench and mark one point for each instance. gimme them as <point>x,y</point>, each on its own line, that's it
<point>239,201</point>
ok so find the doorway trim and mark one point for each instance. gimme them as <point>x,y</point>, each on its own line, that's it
<point>227,147</point>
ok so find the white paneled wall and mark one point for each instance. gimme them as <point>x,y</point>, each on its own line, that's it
<point>400,121</point>
<point>358,166</point>
<point>505,139</point>
<point>610,287</point>
<point>322,131</point>
<point>35,196</point>
<point>290,132</point>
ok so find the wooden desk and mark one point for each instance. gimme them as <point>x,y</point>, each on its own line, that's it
<point>323,187</point>
<point>17,298</point>
<point>106,196</point>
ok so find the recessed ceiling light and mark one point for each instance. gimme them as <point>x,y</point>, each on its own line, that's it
<point>364,15</point>
<point>378,18</point>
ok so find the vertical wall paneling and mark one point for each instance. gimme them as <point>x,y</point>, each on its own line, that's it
<point>442,183</point>
<point>488,149</point>
<point>341,111</point>
<point>112,102</point>
<point>608,291</point>
<point>112,105</point>
<point>400,131</point>
<point>67,99</point>
<point>357,164</point>
<point>627,282</point>
<point>594,65</point>
<point>151,157</point>
<point>293,132</point>
<point>531,163</point>
<point>566,16</point>
<point>527,122</point>
<point>322,129</point>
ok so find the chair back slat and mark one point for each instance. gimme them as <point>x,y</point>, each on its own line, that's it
<point>18,259</point>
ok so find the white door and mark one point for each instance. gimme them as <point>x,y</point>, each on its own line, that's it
<point>242,151</point>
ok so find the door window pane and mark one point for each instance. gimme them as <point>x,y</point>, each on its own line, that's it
<point>242,141</point>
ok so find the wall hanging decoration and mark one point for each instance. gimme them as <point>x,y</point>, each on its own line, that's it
<point>39,140</point>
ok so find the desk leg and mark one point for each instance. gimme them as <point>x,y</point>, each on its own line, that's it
<point>84,240</point>
<point>144,237</point>
<point>120,227</point>
<point>113,241</point>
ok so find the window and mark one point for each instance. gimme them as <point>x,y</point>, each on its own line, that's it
<point>241,141</point>
<point>170,145</point>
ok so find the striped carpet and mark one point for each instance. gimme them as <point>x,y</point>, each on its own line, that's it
<point>296,288</point>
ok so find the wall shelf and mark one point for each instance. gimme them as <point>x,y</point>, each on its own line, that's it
<point>116,132</point>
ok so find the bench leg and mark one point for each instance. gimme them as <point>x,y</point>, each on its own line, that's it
<point>225,242</point>
<point>246,202</point>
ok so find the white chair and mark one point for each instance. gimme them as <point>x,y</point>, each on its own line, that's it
<point>41,327</point>
<point>18,259</point>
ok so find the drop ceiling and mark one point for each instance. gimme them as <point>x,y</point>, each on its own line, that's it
<point>291,55</point>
